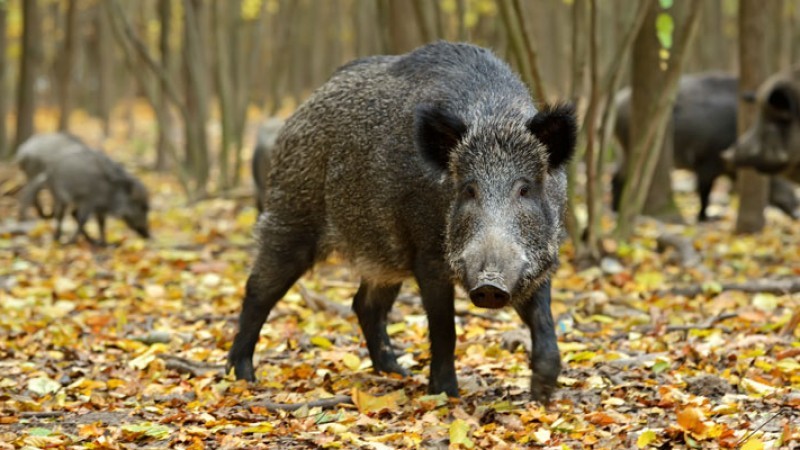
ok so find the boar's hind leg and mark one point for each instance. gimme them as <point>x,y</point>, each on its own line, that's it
<point>282,258</point>
<point>371,304</point>
<point>545,360</point>
<point>438,301</point>
<point>782,196</point>
<point>706,174</point>
<point>59,209</point>
<point>81,216</point>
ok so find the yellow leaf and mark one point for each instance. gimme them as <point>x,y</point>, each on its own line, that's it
<point>459,433</point>
<point>368,404</point>
<point>322,342</point>
<point>351,361</point>
<point>395,328</point>
<point>753,444</point>
<point>262,427</point>
<point>43,385</point>
<point>765,302</point>
<point>754,387</point>
<point>542,435</point>
<point>646,438</point>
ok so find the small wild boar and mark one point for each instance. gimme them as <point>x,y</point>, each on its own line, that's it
<point>704,126</point>
<point>772,144</point>
<point>83,181</point>
<point>265,141</point>
<point>33,157</point>
<point>434,165</point>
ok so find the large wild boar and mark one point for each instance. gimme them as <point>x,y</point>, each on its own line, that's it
<point>434,165</point>
<point>265,141</point>
<point>704,125</point>
<point>772,144</point>
<point>83,181</point>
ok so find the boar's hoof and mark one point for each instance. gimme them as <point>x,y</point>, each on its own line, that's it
<point>545,377</point>
<point>243,370</point>
<point>489,295</point>
<point>449,388</point>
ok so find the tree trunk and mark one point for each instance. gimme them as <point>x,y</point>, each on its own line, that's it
<point>164,124</point>
<point>105,58</point>
<point>67,61</point>
<point>31,51</point>
<point>650,111</point>
<point>753,70</point>
<point>646,80</point>
<point>578,61</point>
<point>196,88</point>
<point>592,160</point>
<point>5,152</point>
<point>222,77</point>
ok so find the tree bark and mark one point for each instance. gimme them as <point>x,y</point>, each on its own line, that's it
<point>753,65</point>
<point>104,58</point>
<point>31,52</point>
<point>67,61</point>
<point>645,141</point>
<point>5,152</point>
<point>196,89</point>
<point>164,124</point>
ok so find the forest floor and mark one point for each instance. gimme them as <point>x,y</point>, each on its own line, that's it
<point>124,347</point>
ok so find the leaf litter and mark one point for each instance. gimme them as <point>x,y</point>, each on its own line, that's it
<point>124,347</point>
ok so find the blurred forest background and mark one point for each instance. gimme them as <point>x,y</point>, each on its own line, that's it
<point>209,71</point>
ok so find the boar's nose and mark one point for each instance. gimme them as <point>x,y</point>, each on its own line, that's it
<point>489,294</point>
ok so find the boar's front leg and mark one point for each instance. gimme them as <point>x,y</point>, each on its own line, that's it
<point>438,300</point>
<point>545,360</point>
<point>371,305</point>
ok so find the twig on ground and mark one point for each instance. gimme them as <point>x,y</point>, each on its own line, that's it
<point>707,325</point>
<point>319,302</point>
<point>778,287</point>
<point>324,403</point>
<point>744,439</point>
<point>195,368</point>
<point>41,414</point>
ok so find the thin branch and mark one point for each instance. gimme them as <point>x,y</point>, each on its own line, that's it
<point>777,287</point>
<point>324,403</point>
<point>116,12</point>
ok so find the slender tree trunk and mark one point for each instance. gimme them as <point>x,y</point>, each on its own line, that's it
<point>196,88</point>
<point>165,120</point>
<point>646,79</point>
<point>592,202</point>
<point>31,52</point>
<point>753,65</point>
<point>67,61</point>
<point>5,152</point>
<point>578,60</point>
<point>653,115</point>
<point>222,77</point>
<point>105,57</point>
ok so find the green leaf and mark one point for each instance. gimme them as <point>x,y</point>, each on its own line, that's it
<point>664,28</point>
<point>459,433</point>
<point>665,4</point>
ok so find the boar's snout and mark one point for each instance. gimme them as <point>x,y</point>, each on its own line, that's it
<point>490,292</point>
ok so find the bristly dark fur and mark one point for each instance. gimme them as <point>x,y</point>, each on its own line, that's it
<point>555,127</point>
<point>418,165</point>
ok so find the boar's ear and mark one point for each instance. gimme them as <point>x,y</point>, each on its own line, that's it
<point>436,133</point>
<point>555,127</point>
<point>781,104</point>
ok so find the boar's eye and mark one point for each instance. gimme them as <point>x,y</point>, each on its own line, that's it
<point>524,190</point>
<point>470,192</point>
